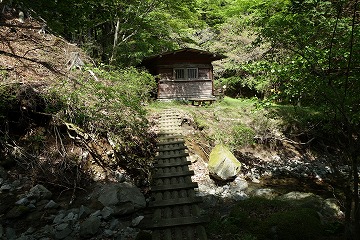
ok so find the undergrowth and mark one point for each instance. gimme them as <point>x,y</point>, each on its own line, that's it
<point>259,218</point>
<point>64,134</point>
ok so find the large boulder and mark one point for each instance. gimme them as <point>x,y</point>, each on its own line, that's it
<point>90,226</point>
<point>39,192</point>
<point>123,198</point>
<point>223,164</point>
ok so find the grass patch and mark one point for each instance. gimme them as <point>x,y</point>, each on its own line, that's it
<point>232,122</point>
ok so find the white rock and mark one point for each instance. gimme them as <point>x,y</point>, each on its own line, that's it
<point>136,221</point>
<point>265,193</point>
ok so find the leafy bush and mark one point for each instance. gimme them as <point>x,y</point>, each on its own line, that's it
<point>110,103</point>
<point>243,135</point>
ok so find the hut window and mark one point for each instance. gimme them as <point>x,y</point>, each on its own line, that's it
<point>185,73</point>
<point>180,73</point>
<point>192,73</point>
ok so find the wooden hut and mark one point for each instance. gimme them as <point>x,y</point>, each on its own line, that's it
<point>183,74</point>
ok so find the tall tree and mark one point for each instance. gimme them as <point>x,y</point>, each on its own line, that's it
<point>314,60</point>
<point>118,31</point>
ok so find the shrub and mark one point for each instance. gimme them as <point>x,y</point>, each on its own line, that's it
<point>243,135</point>
<point>111,105</point>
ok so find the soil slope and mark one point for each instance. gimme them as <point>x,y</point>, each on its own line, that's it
<point>30,54</point>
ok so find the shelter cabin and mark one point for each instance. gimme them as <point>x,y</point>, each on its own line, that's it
<point>183,74</point>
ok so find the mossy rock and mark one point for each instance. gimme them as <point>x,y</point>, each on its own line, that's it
<point>223,164</point>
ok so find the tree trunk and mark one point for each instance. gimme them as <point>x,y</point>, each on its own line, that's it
<point>116,39</point>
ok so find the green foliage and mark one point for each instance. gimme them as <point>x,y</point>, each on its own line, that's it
<point>243,135</point>
<point>118,32</point>
<point>259,218</point>
<point>112,106</point>
<point>201,123</point>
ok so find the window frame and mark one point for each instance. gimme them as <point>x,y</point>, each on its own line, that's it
<point>186,73</point>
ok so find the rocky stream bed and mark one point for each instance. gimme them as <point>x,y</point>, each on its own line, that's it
<point>112,210</point>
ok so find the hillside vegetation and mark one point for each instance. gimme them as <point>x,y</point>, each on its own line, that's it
<point>60,117</point>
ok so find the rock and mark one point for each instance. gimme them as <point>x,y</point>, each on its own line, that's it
<point>89,227</point>
<point>48,230</point>
<point>1,181</point>
<point>109,196</point>
<point>30,230</point>
<point>332,208</point>
<point>239,184</point>
<point>84,212</point>
<point>61,226</point>
<point>10,233</point>
<point>267,193</point>
<point>40,203</point>
<point>96,214</point>
<point>137,220</point>
<point>23,201</point>
<point>16,183</point>
<point>108,233</point>
<point>39,192</point>
<point>3,173</point>
<point>59,218</point>
<point>119,177</point>
<point>114,224</point>
<point>223,164</point>
<point>62,231</point>
<point>303,199</point>
<point>51,205</point>
<point>124,209</point>
<point>239,196</point>
<point>71,217</point>
<point>296,196</point>
<point>6,188</point>
<point>17,211</point>
<point>107,212</point>
<point>118,194</point>
<point>31,206</point>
